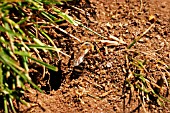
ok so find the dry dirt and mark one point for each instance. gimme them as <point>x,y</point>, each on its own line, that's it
<point>98,84</point>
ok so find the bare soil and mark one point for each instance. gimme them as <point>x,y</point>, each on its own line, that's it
<point>99,83</point>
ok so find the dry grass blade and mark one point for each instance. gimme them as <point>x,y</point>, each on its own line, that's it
<point>138,38</point>
<point>110,43</point>
<point>117,39</point>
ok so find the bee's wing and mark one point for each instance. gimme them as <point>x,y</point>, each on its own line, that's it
<point>80,58</point>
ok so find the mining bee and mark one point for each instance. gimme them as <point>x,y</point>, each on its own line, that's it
<point>79,58</point>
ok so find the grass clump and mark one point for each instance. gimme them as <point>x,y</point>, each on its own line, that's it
<point>146,77</point>
<point>21,31</point>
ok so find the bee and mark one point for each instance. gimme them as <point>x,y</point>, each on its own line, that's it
<point>85,48</point>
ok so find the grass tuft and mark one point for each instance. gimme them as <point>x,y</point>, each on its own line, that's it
<point>21,34</point>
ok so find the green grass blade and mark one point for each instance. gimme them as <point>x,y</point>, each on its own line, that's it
<point>44,47</point>
<point>65,16</point>
<point>47,16</point>
<point>5,104</point>
<point>141,77</point>
<point>1,78</point>
<point>25,78</point>
<point>11,104</point>
<point>45,64</point>
<point>38,61</point>
<point>7,60</point>
<point>15,25</point>
<point>22,20</point>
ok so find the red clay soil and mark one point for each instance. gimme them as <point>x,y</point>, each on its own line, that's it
<point>97,84</point>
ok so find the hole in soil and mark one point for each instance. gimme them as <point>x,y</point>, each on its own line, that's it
<point>1,103</point>
<point>56,78</point>
<point>53,80</point>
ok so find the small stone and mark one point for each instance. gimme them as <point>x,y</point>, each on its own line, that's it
<point>108,25</point>
<point>109,64</point>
